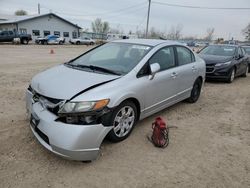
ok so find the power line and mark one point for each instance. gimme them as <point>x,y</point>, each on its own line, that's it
<point>103,13</point>
<point>201,7</point>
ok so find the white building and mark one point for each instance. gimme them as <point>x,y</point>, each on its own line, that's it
<point>41,25</point>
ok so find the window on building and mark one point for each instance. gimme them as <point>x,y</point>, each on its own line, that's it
<point>23,31</point>
<point>45,33</point>
<point>35,32</point>
<point>74,35</point>
<point>57,33</point>
<point>65,34</point>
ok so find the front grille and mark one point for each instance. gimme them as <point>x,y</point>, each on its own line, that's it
<point>210,68</point>
<point>51,104</point>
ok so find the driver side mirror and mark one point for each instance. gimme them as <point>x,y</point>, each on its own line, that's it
<point>239,56</point>
<point>154,68</point>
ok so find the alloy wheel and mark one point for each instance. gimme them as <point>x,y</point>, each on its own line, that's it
<point>124,121</point>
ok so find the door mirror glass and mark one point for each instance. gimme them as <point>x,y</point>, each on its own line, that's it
<point>154,68</point>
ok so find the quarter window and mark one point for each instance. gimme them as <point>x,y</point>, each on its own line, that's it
<point>164,57</point>
<point>185,56</point>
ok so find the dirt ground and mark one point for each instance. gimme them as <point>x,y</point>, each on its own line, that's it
<point>210,147</point>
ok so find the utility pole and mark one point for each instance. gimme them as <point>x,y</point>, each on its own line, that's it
<point>38,8</point>
<point>149,5</point>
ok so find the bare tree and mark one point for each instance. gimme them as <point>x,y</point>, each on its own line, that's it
<point>21,13</point>
<point>154,33</point>
<point>175,32</point>
<point>100,27</point>
<point>246,32</point>
<point>210,34</point>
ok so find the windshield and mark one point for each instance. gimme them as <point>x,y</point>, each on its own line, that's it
<point>247,49</point>
<point>119,58</point>
<point>219,50</point>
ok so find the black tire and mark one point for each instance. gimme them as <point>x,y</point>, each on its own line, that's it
<point>91,43</point>
<point>231,75</point>
<point>246,71</point>
<point>25,41</point>
<point>77,42</point>
<point>60,42</point>
<point>196,91</point>
<point>112,136</point>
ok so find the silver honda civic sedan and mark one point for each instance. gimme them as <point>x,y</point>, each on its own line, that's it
<point>105,91</point>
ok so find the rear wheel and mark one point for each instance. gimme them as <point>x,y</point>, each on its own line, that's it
<point>231,76</point>
<point>123,120</point>
<point>196,91</point>
<point>77,42</point>
<point>246,72</point>
<point>25,41</point>
<point>91,43</point>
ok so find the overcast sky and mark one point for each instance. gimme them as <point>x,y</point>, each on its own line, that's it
<point>131,14</point>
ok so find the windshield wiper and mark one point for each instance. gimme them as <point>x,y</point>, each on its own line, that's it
<point>93,67</point>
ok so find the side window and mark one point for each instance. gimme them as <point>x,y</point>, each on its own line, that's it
<point>165,58</point>
<point>11,32</point>
<point>243,51</point>
<point>185,56</point>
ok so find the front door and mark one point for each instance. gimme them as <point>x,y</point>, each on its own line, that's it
<point>161,90</point>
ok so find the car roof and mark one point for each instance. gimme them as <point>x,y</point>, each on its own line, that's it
<point>149,42</point>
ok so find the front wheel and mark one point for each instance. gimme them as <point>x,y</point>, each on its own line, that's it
<point>196,91</point>
<point>123,120</point>
<point>231,76</point>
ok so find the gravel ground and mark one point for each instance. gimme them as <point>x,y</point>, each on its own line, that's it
<point>210,147</point>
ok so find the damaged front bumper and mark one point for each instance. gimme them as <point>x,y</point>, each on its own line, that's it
<point>75,142</point>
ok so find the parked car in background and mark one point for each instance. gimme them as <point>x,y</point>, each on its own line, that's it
<point>247,50</point>
<point>9,36</point>
<point>224,62</point>
<point>50,39</point>
<point>82,40</point>
<point>105,91</point>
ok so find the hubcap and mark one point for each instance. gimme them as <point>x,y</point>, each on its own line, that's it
<point>124,121</point>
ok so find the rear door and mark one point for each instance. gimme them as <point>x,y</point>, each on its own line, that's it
<point>187,70</point>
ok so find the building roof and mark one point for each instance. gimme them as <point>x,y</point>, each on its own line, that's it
<point>18,19</point>
<point>149,42</point>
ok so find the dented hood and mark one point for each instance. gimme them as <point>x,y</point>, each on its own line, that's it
<point>61,82</point>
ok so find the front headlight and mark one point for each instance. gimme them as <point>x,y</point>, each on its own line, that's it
<point>223,64</point>
<point>78,107</point>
